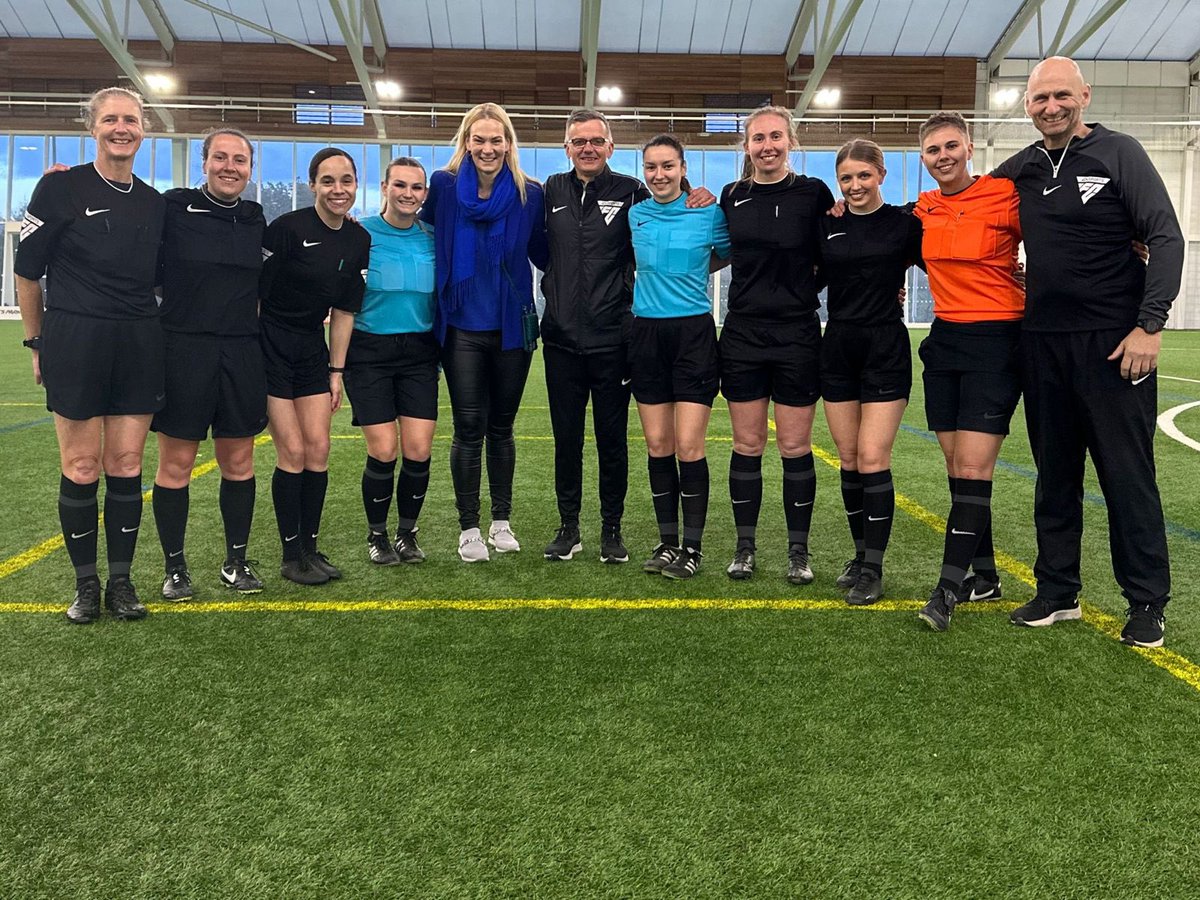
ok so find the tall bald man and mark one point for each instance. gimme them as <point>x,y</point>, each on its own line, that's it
<point>1090,345</point>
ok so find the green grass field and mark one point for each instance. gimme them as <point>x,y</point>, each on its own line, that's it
<point>527,729</point>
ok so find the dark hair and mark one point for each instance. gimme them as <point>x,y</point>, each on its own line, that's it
<point>224,129</point>
<point>669,140</point>
<point>941,120</point>
<point>403,161</point>
<point>862,151</point>
<point>587,114</point>
<point>328,153</point>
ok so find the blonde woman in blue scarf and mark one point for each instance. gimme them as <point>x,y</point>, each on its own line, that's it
<point>489,225</point>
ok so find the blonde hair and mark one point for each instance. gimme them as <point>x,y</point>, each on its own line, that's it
<point>496,113</point>
<point>793,139</point>
<point>92,108</point>
<point>863,151</point>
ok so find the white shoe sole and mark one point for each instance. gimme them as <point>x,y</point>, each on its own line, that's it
<point>559,557</point>
<point>1060,615</point>
<point>1149,646</point>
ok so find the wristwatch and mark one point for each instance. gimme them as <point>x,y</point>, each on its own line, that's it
<point>33,343</point>
<point>1151,324</point>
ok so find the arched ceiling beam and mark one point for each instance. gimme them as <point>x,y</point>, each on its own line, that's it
<point>1015,29</point>
<point>1090,27</point>
<point>589,46</point>
<point>254,26</point>
<point>349,19</point>
<point>828,40</point>
<point>158,21</point>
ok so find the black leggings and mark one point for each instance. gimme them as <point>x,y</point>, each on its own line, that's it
<point>485,385</point>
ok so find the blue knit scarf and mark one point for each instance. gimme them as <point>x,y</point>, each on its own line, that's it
<point>482,234</point>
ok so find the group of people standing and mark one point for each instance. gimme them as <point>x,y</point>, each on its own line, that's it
<point>442,277</point>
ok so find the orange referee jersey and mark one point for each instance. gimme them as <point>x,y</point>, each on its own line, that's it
<point>970,249</point>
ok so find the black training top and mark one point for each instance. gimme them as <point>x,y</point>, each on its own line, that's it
<point>211,261</point>
<point>1080,208</point>
<point>97,244</point>
<point>309,267</point>
<point>775,231</point>
<point>864,259</point>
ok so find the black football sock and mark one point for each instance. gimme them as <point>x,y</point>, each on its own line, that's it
<point>122,519</point>
<point>879,506</point>
<point>313,486</point>
<point>285,495</point>
<point>236,499</point>
<point>79,515</point>
<point>411,487</point>
<point>377,482</point>
<point>693,497</point>
<point>664,489</point>
<point>852,499</point>
<point>170,518</point>
<point>799,494</point>
<point>968,518</point>
<point>745,492</point>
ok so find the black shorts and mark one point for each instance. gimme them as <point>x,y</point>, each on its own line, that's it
<point>672,360</point>
<point>972,375</point>
<point>216,382</point>
<point>297,363</point>
<point>865,363</point>
<point>101,367</point>
<point>782,362</point>
<point>392,375</point>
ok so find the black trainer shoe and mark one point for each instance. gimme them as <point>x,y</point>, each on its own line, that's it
<point>799,571</point>
<point>975,588</point>
<point>867,590</point>
<point>663,556</point>
<point>177,585</point>
<point>237,574</point>
<point>566,543</point>
<point>612,545</point>
<point>321,563</point>
<point>380,549</point>
<point>406,548</point>
<point>122,600</point>
<point>685,565</point>
<point>850,573</point>
<point>742,567</point>
<point>937,612</point>
<point>85,608</point>
<point>1039,612</point>
<point>302,571</point>
<point>1144,625</point>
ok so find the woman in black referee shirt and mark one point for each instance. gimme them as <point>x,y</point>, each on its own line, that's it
<point>866,361</point>
<point>314,259</point>
<point>94,232</point>
<point>770,343</point>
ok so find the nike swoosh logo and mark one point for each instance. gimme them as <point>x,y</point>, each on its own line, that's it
<point>878,518</point>
<point>230,577</point>
<point>191,208</point>
<point>663,494</point>
<point>956,531</point>
<point>625,381</point>
<point>76,537</point>
<point>1138,381</point>
<point>176,553</point>
<point>94,212</point>
<point>1046,192</point>
<point>311,243</point>
<point>292,538</point>
<point>736,502</point>
<point>381,499</point>
<point>558,209</point>
<point>983,596</point>
<point>740,202</point>
<point>809,503</point>
<point>853,512</point>
<point>992,415</point>
<point>125,530</point>
<point>689,496</point>
<point>239,546</point>
<point>418,496</point>
<point>836,234</point>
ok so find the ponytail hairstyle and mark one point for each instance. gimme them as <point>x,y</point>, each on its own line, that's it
<point>328,153</point>
<point>232,132</point>
<point>859,150</point>
<point>793,140</point>
<point>669,140</point>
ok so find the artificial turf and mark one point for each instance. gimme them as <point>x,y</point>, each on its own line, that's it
<point>604,752</point>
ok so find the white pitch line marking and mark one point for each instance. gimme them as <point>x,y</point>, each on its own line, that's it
<point>1167,423</point>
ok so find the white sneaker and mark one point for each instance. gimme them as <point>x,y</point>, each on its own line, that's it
<point>501,537</point>
<point>471,547</point>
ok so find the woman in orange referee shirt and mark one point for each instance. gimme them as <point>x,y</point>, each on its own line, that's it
<point>972,381</point>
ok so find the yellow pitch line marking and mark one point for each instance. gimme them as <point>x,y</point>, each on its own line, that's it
<point>15,403</point>
<point>27,558</point>
<point>1176,664</point>
<point>505,604</point>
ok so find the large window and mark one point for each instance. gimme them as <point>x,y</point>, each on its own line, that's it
<point>276,176</point>
<point>28,163</point>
